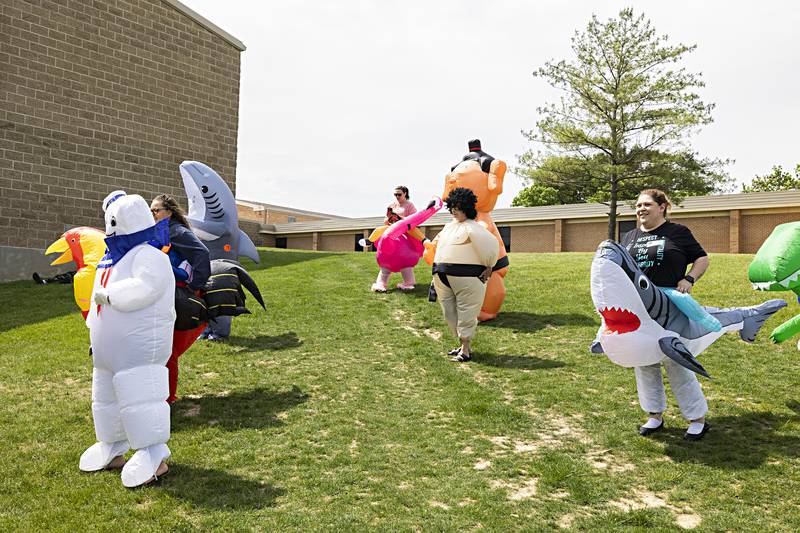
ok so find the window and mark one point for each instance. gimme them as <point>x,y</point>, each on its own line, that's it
<point>505,234</point>
<point>290,218</point>
<point>357,247</point>
<point>624,226</point>
<point>280,242</point>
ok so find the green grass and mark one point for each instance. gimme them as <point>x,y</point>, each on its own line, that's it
<point>337,409</point>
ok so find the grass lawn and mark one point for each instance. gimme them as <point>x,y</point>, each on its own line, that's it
<point>336,409</point>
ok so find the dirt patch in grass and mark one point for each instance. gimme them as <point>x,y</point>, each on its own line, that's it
<point>640,498</point>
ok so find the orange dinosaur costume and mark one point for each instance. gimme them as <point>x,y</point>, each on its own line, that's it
<point>483,174</point>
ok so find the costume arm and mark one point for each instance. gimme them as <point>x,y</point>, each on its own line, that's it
<point>497,171</point>
<point>149,279</point>
<point>485,244</point>
<point>787,330</point>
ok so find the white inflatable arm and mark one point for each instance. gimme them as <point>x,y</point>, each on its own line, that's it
<point>147,284</point>
<point>485,244</point>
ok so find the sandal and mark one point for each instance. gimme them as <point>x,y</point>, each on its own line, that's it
<point>116,463</point>
<point>160,471</point>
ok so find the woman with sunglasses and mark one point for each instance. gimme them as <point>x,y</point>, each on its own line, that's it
<point>399,209</point>
<point>191,267</point>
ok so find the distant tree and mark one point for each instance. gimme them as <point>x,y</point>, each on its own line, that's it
<point>777,180</point>
<point>623,122</point>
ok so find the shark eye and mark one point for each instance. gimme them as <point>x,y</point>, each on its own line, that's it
<point>204,189</point>
<point>113,221</point>
<point>643,283</point>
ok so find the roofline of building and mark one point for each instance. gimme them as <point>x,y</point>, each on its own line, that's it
<point>285,209</point>
<point>511,215</point>
<point>207,24</point>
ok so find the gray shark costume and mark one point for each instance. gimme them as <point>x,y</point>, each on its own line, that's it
<point>642,328</point>
<point>214,219</point>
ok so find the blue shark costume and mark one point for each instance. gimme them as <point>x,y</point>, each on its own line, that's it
<point>214,219</point>
<point>641,327</point>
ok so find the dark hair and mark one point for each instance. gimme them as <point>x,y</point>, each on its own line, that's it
<point>177,213</point>
<point>404,189</point>
<point>659,197</point>
<point>464,200</point>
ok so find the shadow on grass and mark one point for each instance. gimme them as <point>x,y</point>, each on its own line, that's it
<point>41,303</point>
<point>256,408</point>
<point>530,322</point>
<point>525,362</point>
<point>740,442</point>
<point>217,489</point>
<point>278,257</point>
<point>284,341</point>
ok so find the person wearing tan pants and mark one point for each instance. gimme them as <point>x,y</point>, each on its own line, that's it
<point>465,254</point>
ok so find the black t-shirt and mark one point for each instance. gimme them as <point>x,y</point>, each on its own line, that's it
<point>664,253</point>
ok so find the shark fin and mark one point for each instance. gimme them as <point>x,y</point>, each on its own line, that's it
<point>247,248</point>
<point>674,348</point>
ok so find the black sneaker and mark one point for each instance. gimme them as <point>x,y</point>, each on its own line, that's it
<point>645,431</point>
<point>461,358</point>
<point>38,279</point>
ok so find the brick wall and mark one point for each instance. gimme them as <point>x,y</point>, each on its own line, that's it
<point>583,237</point>
<point>299,242</point>
<point>337,243</point>
<point>274,216</point>
<point>754,229</point>
<point>532,238</point>
<point>97,96</point>
<point>713,233</point>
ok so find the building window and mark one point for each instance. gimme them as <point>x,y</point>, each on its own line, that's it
<point>290,218</point>
<point>505,234</point>
<point>624,226</point>
<point>357,247</point>
<point>280,242</point>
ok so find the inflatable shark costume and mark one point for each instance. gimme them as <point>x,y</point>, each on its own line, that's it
<point>642,327</point>
<point>131,337</point>
<point>213,217</point>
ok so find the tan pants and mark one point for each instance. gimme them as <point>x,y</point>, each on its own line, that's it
<point>461,303</point>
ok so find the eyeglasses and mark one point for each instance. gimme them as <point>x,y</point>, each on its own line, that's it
<point>155,210</point>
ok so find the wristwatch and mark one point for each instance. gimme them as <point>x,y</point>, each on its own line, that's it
<point>689,278</point>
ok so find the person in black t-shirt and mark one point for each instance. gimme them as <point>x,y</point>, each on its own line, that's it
<point>663,250</point>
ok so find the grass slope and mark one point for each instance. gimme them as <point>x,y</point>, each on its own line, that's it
<point>337,409</point>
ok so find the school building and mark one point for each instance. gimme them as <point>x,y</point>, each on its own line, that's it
<point>727,223</point>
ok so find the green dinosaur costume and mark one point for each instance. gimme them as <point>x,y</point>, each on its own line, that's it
<point>776,267</point>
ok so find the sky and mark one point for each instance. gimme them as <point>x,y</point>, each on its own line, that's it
<point>342,101</point>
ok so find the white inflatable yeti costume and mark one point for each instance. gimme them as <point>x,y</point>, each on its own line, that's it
<point>131,323</point>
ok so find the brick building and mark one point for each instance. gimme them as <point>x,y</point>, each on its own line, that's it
<point>730,223</point>
<point>97,96</point>
<point>276,214</point>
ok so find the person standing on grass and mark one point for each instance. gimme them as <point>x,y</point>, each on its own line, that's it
<point>399,209</point>
<point>465,254</point>
<point>664,250</point>
<point>191,267</point>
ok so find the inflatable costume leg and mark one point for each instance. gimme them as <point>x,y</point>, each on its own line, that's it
<point>112,441</point>
<point>650,387</point>
<point>382,280</point>
<point>686,390</point>
<point>408,279</point>
<point>182,340</point>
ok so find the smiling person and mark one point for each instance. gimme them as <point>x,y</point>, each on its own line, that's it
<point>465,254</point>
<point>664,250</point>
<point>191,267</point>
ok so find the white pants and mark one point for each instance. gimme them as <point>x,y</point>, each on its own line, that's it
<point>684,384</point>
<point>461,303</point>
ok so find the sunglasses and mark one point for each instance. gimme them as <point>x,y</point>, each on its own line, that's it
<point>398,194</point>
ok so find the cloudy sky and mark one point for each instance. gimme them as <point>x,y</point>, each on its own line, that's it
<point>341,101</point>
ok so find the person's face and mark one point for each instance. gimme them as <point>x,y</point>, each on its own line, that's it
<point>159,211</point>
<point>400,196</point>
<point>648,212</point>
<point>458,214</point>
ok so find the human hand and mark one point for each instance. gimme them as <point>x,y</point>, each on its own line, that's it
<point>486,274</point>
<point>684,286</point>
<point>101,296</point>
